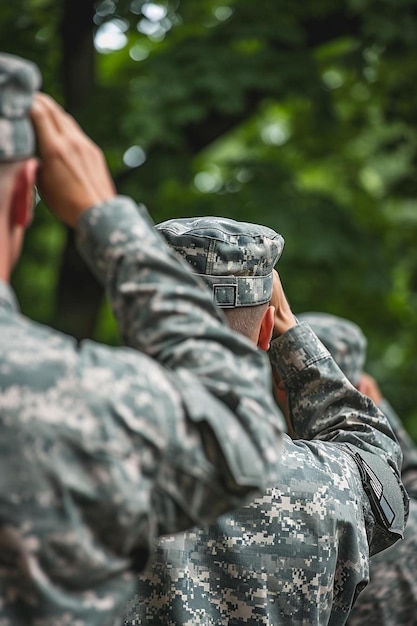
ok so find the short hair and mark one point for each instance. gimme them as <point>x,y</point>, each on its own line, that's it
<point>246,319</point>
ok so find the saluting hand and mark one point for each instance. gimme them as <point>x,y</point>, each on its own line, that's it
<point>284,318</point>
<point>73,175</point>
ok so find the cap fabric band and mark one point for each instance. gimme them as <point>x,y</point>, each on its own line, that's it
<point>234,291</point>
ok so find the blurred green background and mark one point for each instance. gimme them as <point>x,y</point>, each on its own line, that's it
<point>298,115</point>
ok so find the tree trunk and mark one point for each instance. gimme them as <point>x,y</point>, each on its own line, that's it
<point>79,295</point>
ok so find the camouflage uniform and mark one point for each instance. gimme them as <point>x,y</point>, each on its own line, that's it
<point>103,449</point>
<point>300,553</point>
<point>390,599</point>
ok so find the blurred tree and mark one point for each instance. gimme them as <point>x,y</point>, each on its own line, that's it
<point>302,116</point>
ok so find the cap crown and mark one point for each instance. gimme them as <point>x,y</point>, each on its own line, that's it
<point>19,79</point>
<point>234,258</point>
<point>344,339</point>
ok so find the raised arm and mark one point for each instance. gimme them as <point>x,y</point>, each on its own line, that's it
<point>323,405</point>
<point>161,308</point>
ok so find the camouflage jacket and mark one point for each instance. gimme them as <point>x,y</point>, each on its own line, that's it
<point>102,449</point>
<point>298,555</point>
<point>390,599</point>
<point>408,448</point>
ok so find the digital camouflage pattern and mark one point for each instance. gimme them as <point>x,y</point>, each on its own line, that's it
<point>19,79</point>
<point>300,553</point>
<point>343,338</point>
<point>235,259</point>
<point>103,449</point>
<point>390,599</point>
<point>409,450</point>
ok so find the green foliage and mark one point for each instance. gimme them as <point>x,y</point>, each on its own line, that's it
<point>301,116</point>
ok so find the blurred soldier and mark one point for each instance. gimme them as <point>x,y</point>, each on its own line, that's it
<point>103,449</point>
<point>299,554</point>
<point>390,599</point>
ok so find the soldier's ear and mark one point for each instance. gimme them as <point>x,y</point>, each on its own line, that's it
<point>23,194</point>
<point>267,326</point>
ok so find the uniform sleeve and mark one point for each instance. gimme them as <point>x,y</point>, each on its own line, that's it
<point>101,450</point>
<point>408,447</point>
<point>324,405</point>
<point>164,312</point>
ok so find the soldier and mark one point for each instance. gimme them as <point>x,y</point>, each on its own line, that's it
<point>390,599</point>
<point>300,553</point>
<point>102,449</point>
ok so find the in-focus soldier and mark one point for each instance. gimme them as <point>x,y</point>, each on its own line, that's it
<point>390,599</point>
<point>103,449</point>
<point>300,553</point>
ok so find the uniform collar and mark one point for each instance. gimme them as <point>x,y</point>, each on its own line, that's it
<point>7,298</point>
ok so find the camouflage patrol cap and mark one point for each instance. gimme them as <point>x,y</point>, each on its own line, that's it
<point>19,79</point>
<point>235,259</point>
<point>344,340</point>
